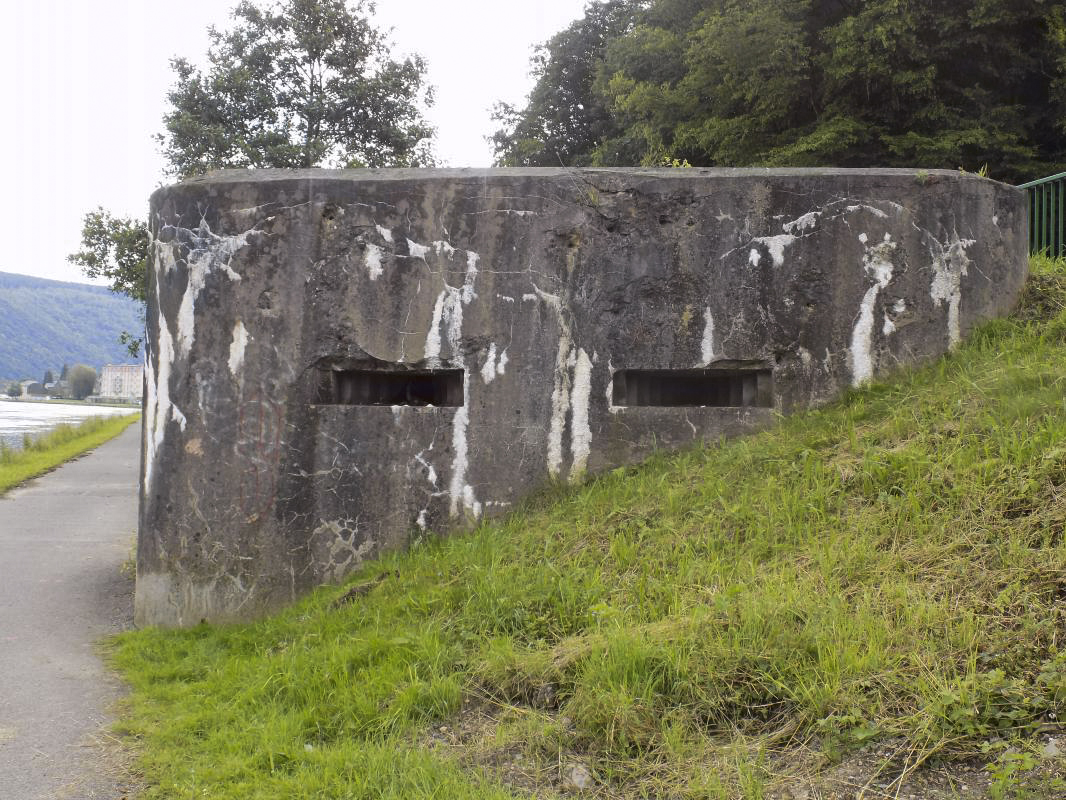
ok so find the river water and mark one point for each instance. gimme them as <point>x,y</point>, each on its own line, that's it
<point>19,417</point>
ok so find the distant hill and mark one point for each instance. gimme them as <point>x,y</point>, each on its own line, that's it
<point>45,324</point>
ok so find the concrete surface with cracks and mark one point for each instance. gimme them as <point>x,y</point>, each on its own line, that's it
<point>521,299</point>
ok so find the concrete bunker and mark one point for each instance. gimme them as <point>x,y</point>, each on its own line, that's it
<point>339,360</point>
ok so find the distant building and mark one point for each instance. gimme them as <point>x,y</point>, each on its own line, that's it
<point>60,388</point>
<point>123,382</point>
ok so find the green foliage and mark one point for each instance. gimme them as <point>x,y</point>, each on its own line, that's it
<point>115,249</point>
<point>890,566</point>
<point>82,380</point>
<point>939,84</point>
<point>564,119</point>
<point>297,83</point>
<point>14,389</point>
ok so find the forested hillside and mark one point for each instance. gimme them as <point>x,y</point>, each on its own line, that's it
<point>799,83</point>
<point>45,324</point>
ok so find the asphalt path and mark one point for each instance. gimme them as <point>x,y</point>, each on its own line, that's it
<point>64,538</point>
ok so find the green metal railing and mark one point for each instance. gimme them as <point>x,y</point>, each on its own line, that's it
<point>1047,215</point>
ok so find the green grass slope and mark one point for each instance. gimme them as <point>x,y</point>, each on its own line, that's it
<point>712,624</point>
<point>64,442</point>
<point>45,324</point>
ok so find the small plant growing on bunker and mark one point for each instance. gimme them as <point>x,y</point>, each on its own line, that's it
<point>590,196</point>
<point>982,171</point>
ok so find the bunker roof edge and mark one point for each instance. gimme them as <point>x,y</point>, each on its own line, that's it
<point>226,177</point>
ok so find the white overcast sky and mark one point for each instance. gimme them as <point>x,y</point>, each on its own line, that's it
<point>82,85</point>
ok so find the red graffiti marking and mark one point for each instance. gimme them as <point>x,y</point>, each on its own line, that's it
<point>260,425</point>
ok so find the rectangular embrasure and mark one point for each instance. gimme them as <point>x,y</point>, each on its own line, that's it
<point>372,387</point>
<point>739,388</point>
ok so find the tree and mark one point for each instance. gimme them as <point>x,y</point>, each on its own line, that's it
<point>82,381</point>
<point>48,377</point>
<point>908,83</point>
<point>564,119</point>
<point>14,390</point>
<point>298,84</point>
<point>116,249</point>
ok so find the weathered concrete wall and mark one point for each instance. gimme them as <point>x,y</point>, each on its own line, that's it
<point>280,300</point>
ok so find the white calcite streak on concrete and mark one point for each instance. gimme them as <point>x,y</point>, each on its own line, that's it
<point>488,369</point>
<point>447,310</point>
<point>851,209</point>
<point>877,262</point>
<point>236,349</point>
<point>802,224</point>
<point>443,248</point>
<point>950,264</point>
<point>494,365</point>
<point>458,489</point>
<point>471,275</point>
<point>431,351</point>
<point>561,383</point>
<point>448,314</point>
<point>609,393</point>
<point>560,405</point>
<point>776,246</point>
<point>707,342</point>
<point>580,432</point>
<point>807,223</point>
<point>453,324</point>
<point>417,250</point>
<point>461,493</point>
<point>208,253</point>
<point>373,261</point>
